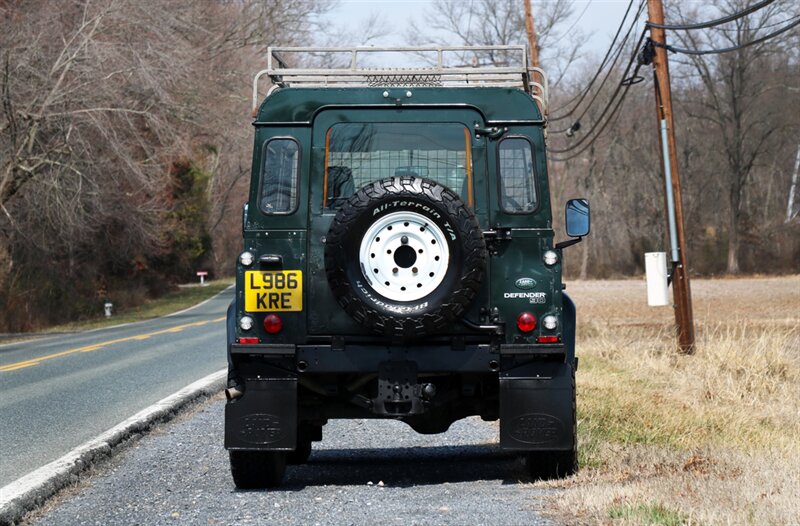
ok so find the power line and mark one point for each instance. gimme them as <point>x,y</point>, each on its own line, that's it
<point>613,101</point>
<point>644,59</point>
<point>711,23</point>
<point>611,118</point>
<point>610,69</point>
<point>773,24</point>
<point>582,95</point>
<point>727,49</point>
<point>588,88</point>
<point>575,23</point>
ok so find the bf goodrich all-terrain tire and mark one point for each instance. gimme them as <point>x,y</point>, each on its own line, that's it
<point>300,454</point>
<point>257,469</point>
<point>405,256</point>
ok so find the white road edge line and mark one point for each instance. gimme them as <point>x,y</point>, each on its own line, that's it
<point>31,490</point>
<point>187,309</point>
<point>223,291</point>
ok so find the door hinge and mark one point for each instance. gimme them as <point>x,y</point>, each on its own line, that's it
<point>495,237</point>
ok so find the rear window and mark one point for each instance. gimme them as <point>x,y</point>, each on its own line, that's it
<point>359,153</point>
<point>279,176</point>
<point>517,181</point>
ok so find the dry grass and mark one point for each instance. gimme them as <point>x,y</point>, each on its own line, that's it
<point>712,438</point>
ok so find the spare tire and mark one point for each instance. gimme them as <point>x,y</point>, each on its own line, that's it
<point>405,256</point>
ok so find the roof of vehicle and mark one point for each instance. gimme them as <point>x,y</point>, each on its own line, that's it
<point>497,81</point>
<point>300,105</point>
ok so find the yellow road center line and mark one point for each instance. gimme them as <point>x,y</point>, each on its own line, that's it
<point>20,367</point>
<point>96,346</point>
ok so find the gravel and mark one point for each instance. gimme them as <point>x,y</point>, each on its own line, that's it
<point>363,472</point>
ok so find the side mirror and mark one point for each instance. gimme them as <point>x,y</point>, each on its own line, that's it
<point>577,217</point>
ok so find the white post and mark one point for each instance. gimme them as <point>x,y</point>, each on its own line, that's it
<point>655,265</point>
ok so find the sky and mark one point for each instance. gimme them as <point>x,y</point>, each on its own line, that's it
<point>597,19</point>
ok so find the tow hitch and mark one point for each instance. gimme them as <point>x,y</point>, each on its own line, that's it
<point>399,394</point>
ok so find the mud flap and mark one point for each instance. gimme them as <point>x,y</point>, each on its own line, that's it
<point>536,407</point>
<point>265,417</point>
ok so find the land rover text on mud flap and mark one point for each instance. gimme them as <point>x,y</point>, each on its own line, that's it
<point>399,261</point>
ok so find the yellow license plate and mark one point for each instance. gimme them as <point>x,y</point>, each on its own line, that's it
<point>273,290</point>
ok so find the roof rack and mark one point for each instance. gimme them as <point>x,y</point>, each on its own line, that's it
<point>446,70</point>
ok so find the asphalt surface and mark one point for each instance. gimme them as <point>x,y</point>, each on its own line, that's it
<point>61,391</point>
<point>363,472</point>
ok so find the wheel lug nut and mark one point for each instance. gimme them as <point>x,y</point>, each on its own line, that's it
<point>404,240</point>
<point>394,270</point>
<point>414,270</point>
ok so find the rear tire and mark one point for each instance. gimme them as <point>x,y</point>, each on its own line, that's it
<point>301,454</point>
<point>257,469</point>
<point>549,465</point>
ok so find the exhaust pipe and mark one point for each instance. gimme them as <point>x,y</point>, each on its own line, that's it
<point>232,393</point>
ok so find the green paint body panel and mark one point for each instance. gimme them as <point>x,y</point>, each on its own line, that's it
<point>300,105</point>
<point>330,360</point>
<point>306,114</point>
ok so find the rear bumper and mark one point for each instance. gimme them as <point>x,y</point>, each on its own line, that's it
<point>470,358</point>
<point>532,393</point>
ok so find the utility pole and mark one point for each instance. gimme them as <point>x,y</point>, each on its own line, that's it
<point>529,27</point>
<point>669,155</point>
<point>533,45</point>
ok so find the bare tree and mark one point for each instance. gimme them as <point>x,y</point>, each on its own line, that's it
<point>738,105</point>
<point>87,114</point>
<point>231,49</point>
<point>103,103</point>
<point>499,22</point>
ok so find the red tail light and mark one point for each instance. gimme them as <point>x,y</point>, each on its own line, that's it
<point>248,340</point>
<point>526,322</point>
<point>547,339</point>
<point>273,324</point>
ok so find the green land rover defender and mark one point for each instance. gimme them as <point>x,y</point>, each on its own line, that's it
<point>399,261</point>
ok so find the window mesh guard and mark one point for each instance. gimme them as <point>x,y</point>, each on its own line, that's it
<point>446,167</point>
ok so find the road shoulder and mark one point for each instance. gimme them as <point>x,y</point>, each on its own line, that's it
<point>31,491</point>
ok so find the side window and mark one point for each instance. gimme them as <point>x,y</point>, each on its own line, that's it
<point>279,176</point>
<point>517,184</point>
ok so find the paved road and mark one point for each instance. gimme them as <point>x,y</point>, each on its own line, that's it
<point>363,472</point>
<point>61,391</point>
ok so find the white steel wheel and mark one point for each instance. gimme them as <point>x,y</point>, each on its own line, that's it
<point>404,256</point>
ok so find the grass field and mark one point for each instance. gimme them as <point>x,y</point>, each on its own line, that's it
<point>712,438</point>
